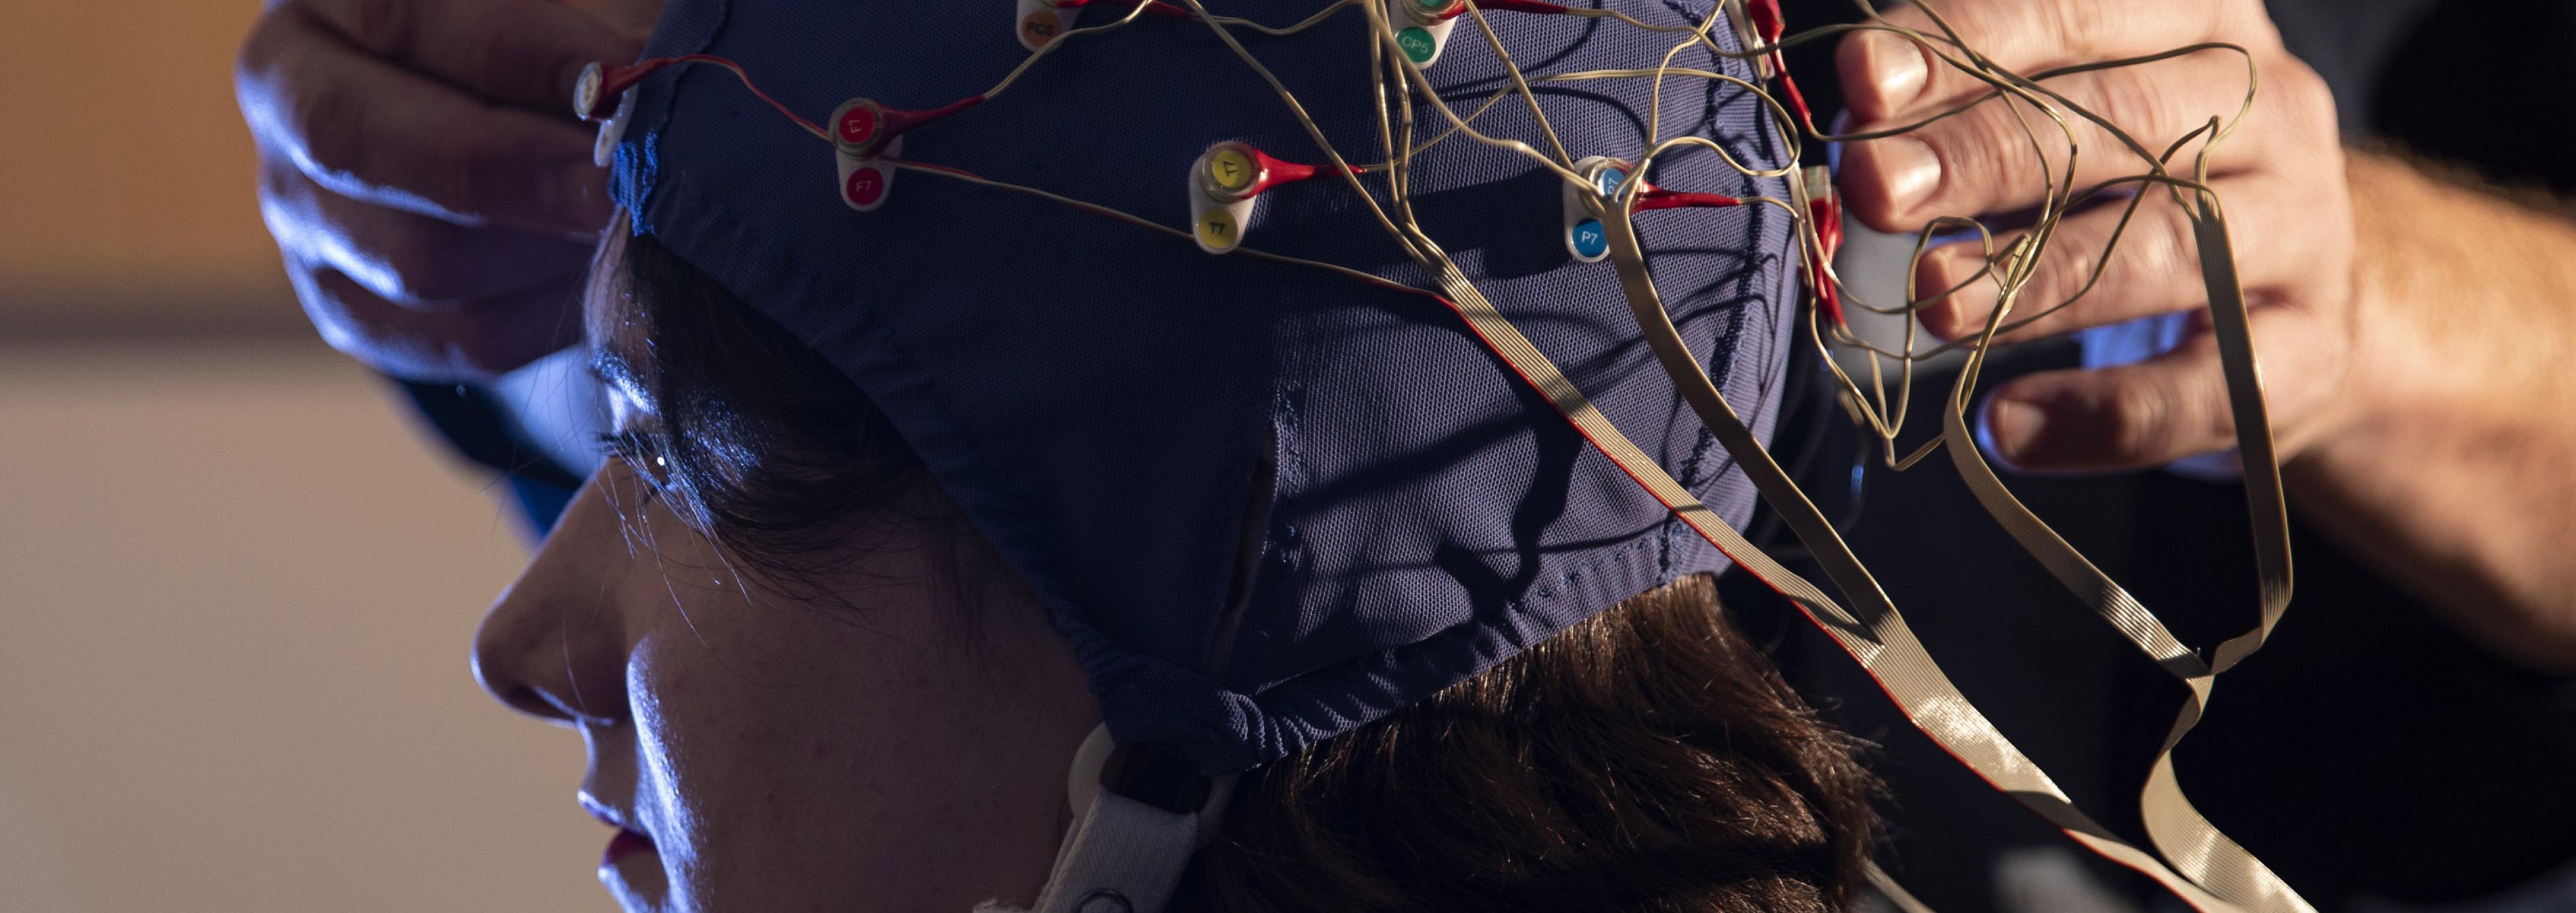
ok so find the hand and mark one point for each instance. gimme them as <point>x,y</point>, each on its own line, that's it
<point>420,166</point>
<point>2280,177</point>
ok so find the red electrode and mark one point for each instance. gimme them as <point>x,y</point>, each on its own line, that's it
<point>860,127</point>
<point>1826,213</point>
<point>1653,198</point>
<point>863,126</point>
<point>1267,171</point>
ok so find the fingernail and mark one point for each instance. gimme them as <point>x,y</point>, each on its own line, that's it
<point>2012,430</point>
<point>1910,170</point>
<point>1896,69</point>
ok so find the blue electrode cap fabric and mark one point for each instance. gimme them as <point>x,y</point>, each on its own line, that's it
<point>1099,397</point>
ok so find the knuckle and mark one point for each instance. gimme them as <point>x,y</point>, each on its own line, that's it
<point>2080,23</point>
<point>2303,99</point>
<point>2075,259</point>
<point>386,28</point>
<point>2140,106</point>
<point>1977,158</point>
<point>2169,248</point>
<point>2138,415</point>
<point>329,121</point>
<point>2246,22</point>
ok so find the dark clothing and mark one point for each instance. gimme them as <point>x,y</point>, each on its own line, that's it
<point>2369,751</point>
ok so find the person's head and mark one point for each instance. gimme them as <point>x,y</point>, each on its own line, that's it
<point>806,682</point>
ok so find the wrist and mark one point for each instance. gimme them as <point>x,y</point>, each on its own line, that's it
<point>2450,457</point>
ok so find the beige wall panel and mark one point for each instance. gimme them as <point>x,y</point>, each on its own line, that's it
<point>237,594</point>
<point>126,180</point>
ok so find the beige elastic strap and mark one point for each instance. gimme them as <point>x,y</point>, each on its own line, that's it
<point>2180,833</point>
<point>1895,894</point>
<point>1876,635</point>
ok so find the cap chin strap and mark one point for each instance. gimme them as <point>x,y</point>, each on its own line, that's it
<point>1139,814</point>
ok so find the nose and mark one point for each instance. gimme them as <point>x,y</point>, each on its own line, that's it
<point>554,644</point>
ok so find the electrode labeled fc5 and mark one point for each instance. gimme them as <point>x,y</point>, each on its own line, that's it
<point>1040,21</point>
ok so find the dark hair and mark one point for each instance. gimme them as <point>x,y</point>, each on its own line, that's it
<point>765,445</point>
<point>1646,759</point>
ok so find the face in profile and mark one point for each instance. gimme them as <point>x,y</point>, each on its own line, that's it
<point>877,734</point>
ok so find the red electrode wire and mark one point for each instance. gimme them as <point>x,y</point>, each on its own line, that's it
<point>1828,219</point>
<point>1509,6</point>
<point>889,123</point>
<point>1275,171</point>
<point>1653,198</point>
<point>1765,15</point>
<point>1822,211</point>
<point>616,79</point>
<point>1152,7</point>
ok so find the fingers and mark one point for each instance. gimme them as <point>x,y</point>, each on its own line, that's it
<point>2002,155</point>
<point>369,129</point>
<point>404,257</point>
<point>2153,269</point>
<point>517,52</point>
<point>466,340</point>
<point>2169,407</point>
<point>1884,73</point>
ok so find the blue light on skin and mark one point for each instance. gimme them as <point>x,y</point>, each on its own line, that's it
<point>1589,239</point>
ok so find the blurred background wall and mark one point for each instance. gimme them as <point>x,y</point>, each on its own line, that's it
<point>237,588</point>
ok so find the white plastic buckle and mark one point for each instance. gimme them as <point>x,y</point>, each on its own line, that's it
<point>1122,855</point>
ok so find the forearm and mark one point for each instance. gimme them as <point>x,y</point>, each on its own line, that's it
<point>2454,463</point>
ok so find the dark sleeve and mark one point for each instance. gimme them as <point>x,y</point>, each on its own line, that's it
<point>477,427</point>
<point>2369,752</point>
<point>2484,83</point>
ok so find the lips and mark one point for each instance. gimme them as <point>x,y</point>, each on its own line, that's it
<point>626,843</point>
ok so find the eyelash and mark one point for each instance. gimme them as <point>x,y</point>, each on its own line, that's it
<point>639,450</point>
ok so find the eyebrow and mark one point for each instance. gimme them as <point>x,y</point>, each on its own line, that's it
<point>614,370</point>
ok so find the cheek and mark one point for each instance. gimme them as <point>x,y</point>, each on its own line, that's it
<point>859,759</point>
<point>746,753</point>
